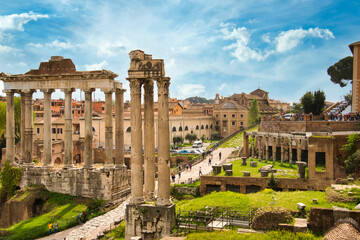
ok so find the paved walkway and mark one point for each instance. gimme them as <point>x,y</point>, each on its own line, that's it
<point>205,167</point>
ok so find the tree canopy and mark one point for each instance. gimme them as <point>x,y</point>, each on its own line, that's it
<point>254,113</point>
<point>313,102</point>
<point>342,71</point>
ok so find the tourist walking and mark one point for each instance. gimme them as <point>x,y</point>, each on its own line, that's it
<point>219,156</point>
<point>200,173</point>
<point>50,226</point>
<point>190,166</point>
<point>173,177</point>
<point>179,174</point>
<point>79,218</point>
<point>56,227</point>
<point>83,215</point>
<point>209,162</point>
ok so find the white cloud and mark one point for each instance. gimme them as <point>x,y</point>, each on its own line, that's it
<point>222,86</point>
<point>266,38</point>
<point>240,49</point>
<point>292,38</point>
<point>110,48</point>
<point>16,21</point>
<point>5,49</point>
<point>96,66</point>
<point>191,89</point>
<point>62,45</point>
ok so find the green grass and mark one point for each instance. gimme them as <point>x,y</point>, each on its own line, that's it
<point>247,202</point>
<point>117,233</point>
<point>237,140</point>
<point>194,184</point>
<point>285,170</point>
<point>63,209</point>
<point>233,235</point>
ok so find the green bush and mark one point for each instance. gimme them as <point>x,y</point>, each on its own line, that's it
<point>10,180</point>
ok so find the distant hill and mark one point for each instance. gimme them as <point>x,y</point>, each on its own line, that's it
<point>199,100</point>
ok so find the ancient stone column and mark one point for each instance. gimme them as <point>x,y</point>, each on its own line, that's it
<point>47,128</point>
<point>149,139</point>
<point>298,145</point>
<point>108,161</point>
<point>88,154</point>
<point>119,127</point>
<point>164,142</point>
<point>136,143</point>
<point>267,148</point>
<point>245,144</point>
<point>22,127</point>
<point>282,150</point>
<point>274,149</point>
<point>259,147</point>
<point>68,141</point>
<point>252,146</point>
<point>28,126</point>
<point>10,126</point>
<point>290,151</point>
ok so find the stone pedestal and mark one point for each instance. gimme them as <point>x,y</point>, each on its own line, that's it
<point>253,164</point>
<point>149,221</point>
<point>264,173</point>
<point>229,172</point>
<point>216,169</point>
<point>243,163</point>
<point>246,174</point>
<point>301,169</point>
<point>227,166</point>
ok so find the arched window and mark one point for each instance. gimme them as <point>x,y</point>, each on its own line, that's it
<point>186,128</point>
<point>128,129</point>
<point>211,126</point>
<point>180,128</point>
<point>174,129</point>
<point>207,126</point>
<point>93,129</point>
<point>197,127</point>
<point>202,126</point>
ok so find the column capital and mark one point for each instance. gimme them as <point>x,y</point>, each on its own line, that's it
<point>68,90</point>
<point>135,85</point>
<point>88,90</point>
<point>163,85</point>
<point>149,87</point>
<point>47,90</point>
<point>107,90</point>
<point>28,91</point>
<point>120,90</point>
<point>9,91</point>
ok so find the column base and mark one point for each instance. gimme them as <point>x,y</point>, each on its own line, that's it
<point>149,221</point>
<point>67,166</point>
<point>109,165</point>
<point>163,202</point>
<point>88,167</point>
<point>136,200</point>
<point>150,197</point>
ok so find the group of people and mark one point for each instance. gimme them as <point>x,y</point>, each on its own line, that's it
<point>53,228</point>
<point>82,217</point>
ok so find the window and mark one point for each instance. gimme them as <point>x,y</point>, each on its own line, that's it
<point>217,123</point>
<point>241,115</point>
<point>186,128</point>
<point>207,127</point>
<point>233,115</point>
<point>128,129</point>
<point>59,130</point>
<point>217,115</point>
<point>224,115</point>
<point>37,130</point>
<point>180,128</point>
<point>78,111</point>
<point>197,127</point>
<point>202,126</point>
<point>211,126</point>
<point>233,123</point>
<point>53,130</point>
<point>72,111</point>
<point>174,129</point>
<point>241,123</point>
<point>102,108</point>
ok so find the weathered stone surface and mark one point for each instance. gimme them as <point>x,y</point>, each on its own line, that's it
<point>185,190</point>
<point>264,173</point>
<point>216,169</point>
<point>300,206</point>
<point>227,166</point>
<point>267,218</point>
<point>253,164</point>
<point>266,168</point>
<point>301,169</point>
<point>246,174</point>
<point>229,172</point>
<point>243,163</point>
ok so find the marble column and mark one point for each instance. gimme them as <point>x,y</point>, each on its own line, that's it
<point>149,139</point>
<point>259,142</point>
<point>22,127</point>
<point>108,161</point>
<point>282,149</point>
<point>119,127</point>
<point>88,150</point>
<point>28,127</point>
<point>290,151</point>
<point>267,148</point>
<point>298,146</point>
<point>246,144</point>
<point>136,143</point>
<point>68,158</point>
<point>274,149</point>
<point>10,126</point>
<point>252,146</point>
<point>47,128</point>
<point>164,142</point>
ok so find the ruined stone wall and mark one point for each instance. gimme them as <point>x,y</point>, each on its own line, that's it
<point>108,184</point>
<point>243,182</point>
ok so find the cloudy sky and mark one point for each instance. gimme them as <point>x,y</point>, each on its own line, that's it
<point>209,47</point>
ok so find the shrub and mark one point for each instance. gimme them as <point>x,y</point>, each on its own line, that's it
<point>9,179</point>
<point>273,183</point>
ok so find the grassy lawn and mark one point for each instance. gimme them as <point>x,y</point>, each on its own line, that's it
<point>62,208</point>
<point>283,170</point>
<point>237,140</point>
<point>233,235</point>
<point>246,202</point>
<point>117,233</point>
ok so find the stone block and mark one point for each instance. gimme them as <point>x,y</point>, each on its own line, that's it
<point>228,172</point>
<point>350,180</point>
<point>273,170</point>
<point>246,174</point>
<point>315,200</point>
<point>216,169</point>
<point>227,166</point>
<point>243,163</point>
<point>264,173</point>
<point>266,168</point>
<point>300,206</point>
<point>253,164</point>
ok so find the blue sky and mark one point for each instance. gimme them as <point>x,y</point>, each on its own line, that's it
<point>209,47</point>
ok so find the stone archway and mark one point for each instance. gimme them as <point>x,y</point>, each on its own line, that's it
<point>77,158</point>
<point>57,161</point>
<point>37,206</point>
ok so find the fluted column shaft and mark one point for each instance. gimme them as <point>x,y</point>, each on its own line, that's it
<point>47,128</point>
<point>28,127</point>
<point>298,145</point>
<point>108,162</point>
<point>290,151</point>
<point>252,146</point>
<point>10,126</point>
<point>88,154</point>
<point>136,143</point>
<point>259,147</point>
<point>163,142</point>
<point>149,139</point>
<point>266,148</point>
<point>274,149</point>
<point>68,158</point>
<point>282,149</point>
<point>119,127</point>
<point>22,127</point>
